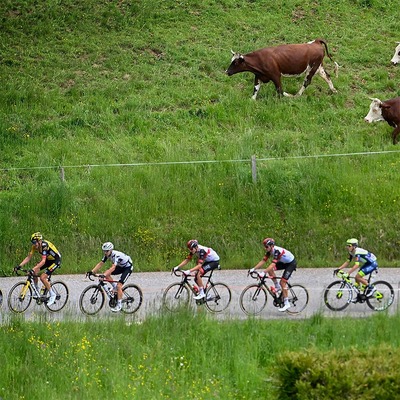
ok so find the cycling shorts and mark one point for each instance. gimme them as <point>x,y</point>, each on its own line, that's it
<point>367,268</point>
<point>209,266</point>
<point>124,272</point>
<point>50,266</point>
<point>288,267</point>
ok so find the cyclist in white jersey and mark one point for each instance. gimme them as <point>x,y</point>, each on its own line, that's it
<point>207,260</point>
<point>121,264</point>
<point>364,260</point>
<point>281,259</point>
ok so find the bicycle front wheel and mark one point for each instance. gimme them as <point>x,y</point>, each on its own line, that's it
<point>253,299</point>
<point>298,298</point>
<point>176,296</point>
<point>132,298</point>
<point>19,297</point>
<point>91,300</point>
<point>338,295</point>
<point>218,297</point>
<point>383,296</point>
<point>62,294</point>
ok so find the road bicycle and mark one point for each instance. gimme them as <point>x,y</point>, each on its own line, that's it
<point>253,298</point>
<point>22,294</point>
<point>339,294</point>
<point>92,299</point>
<point>177,295</point>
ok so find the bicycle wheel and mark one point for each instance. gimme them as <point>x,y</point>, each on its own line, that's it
<point>338,295</point>
<point>132,298</point>
<point>91,300</point>
<point>382,298</point>
<point>218,297</point>
<point>176,296</point>
<point>19,297</point>
<point>62,294</point>
<point>298,298</point>
<point>253,299</point>
<point>1,298</point>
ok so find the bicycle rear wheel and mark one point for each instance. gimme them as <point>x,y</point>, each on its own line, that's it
<point>298,298</point>
<point>253,299</point>
<point>91,300</point>
<point>176,296</point>
<point>132,298</point>
<point>19,297</point>
<point>382,298</point>
<point>1,298</point>
<point>218,297</point>
<point>62,294</point>
<point>338,295</point>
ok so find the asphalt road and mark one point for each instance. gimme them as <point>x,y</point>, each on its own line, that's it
<point>154,283</point>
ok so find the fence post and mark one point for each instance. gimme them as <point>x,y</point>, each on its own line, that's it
<point>253,168</point>
<point>62,174</point>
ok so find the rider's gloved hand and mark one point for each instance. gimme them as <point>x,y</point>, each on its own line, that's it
<point>187,272</point>
<point>17,268</point>
<point>101,276</point>
<point>176,268</point>
<point>335,272</point>
<point>31,272</point>
<point>251,270</point>
<point>261,274</point>
<point>345,275</point>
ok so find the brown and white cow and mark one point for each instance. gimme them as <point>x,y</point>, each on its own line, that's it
<point>271,63</point>
<point>388,111</point>
<point>396,58</point>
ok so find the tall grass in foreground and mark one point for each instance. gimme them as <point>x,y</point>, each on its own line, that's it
<point>169,357</point>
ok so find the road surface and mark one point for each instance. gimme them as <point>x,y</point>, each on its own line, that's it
<point>153,284</point>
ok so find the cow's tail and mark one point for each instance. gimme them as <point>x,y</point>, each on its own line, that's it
<point>330,57</point>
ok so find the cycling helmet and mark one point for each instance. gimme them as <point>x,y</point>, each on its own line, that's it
<point>352,242</point>
<point>268,242</point>
<point>107,246</point>
<point>191,244</point>
<point>36,236</point>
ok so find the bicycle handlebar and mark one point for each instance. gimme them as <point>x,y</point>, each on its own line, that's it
<point>28,272</point>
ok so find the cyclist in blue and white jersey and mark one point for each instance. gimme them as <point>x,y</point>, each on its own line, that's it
<point>121,264</point>
<point>281,259</point>
<point>364,260</point>
<point>207,260</point>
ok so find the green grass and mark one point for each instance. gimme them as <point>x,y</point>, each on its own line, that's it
<point>90,84</point>
<point>181,356</point>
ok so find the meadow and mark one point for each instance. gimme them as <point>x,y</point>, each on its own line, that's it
<point>188,356</point>
<point>118,123</point>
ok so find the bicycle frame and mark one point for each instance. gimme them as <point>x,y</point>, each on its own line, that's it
<point>39,296</point>
<point>278,297</point>
<point>185,281</point>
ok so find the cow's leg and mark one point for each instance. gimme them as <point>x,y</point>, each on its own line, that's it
<point>395,133</point>
<point>307,80</point>
<point>257,85</point>
<point>326,77</point>
<point>278,85</point>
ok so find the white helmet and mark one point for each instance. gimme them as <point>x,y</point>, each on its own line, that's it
<point>107,246</point>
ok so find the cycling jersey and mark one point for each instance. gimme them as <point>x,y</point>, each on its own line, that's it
<point>362,256</point>
<point>280,255</point>
<point>48,250</point>
<point>119,259</point>
<point>204,254</point>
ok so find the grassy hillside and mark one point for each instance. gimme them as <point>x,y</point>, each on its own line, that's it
<point>90,85</point>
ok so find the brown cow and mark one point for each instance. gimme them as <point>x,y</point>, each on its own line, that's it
<point>270,63</point>
<point>388,111</point>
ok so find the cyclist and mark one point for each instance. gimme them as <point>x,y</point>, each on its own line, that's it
<point>207,260</point>
<point>281,259</point>
<point>121,264</point>
<point>51,260</point>
<point>364,260</point>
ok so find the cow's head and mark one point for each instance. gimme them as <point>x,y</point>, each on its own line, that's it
<point>237,64</point>
<point>375,111</point>
<point>396,58</point>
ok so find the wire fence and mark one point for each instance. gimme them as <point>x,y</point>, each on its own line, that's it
<point>253,161</point>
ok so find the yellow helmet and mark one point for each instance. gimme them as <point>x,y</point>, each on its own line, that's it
<point>36,236</point>
<point>352,242</point>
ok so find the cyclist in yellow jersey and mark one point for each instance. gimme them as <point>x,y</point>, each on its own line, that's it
<point>51,260</point>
